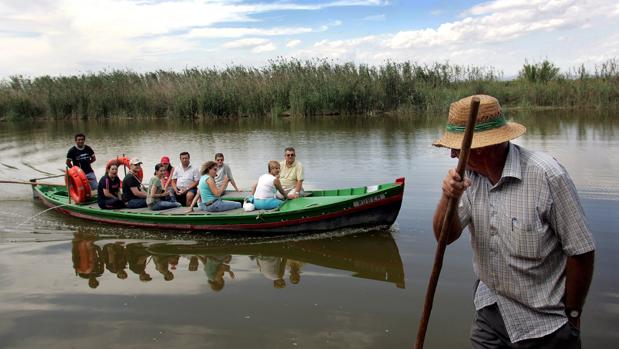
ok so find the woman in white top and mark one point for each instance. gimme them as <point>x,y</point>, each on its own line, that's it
<point>266,188</point>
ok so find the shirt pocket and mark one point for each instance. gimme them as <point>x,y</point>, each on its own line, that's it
<point>524,236</point>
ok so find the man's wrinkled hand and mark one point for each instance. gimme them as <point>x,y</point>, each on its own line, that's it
<point>453,186</point>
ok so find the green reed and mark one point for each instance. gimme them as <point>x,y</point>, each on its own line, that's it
<point>302,88</point>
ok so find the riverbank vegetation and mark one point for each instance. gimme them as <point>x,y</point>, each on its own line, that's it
<point>302,88</point>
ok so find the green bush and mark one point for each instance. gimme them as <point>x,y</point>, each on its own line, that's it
<point>302,88</point>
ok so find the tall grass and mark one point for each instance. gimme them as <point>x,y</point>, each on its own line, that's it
<point>301,88</point>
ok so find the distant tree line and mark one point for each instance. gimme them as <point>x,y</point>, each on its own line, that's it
<point>302,88</point>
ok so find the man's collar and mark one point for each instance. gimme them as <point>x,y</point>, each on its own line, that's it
<point>512,163</point>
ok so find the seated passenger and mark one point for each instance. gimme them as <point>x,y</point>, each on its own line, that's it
<point>185,180</point>
<point>266,188</point>
<point>210,194</point>
<point>133,194</point>
<point>222,171</point>
<point>291,175</point>
<point>166,180</point>
<point>108,190</point>
<point>159,199</point>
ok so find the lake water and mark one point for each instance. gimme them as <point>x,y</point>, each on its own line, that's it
<point>66,283</point>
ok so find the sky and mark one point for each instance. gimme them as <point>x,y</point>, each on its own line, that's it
<point>69,37</point>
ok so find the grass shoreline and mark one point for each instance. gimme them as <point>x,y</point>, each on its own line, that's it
<point>302,88</point>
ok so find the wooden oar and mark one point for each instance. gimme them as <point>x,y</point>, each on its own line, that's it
<point>48,177</point>
<point>442,241</point>
<point>31,183</point>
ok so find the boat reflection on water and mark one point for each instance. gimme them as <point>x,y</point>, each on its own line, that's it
<point>370,255</point>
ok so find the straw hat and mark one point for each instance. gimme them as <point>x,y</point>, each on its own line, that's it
<point>490,127</point>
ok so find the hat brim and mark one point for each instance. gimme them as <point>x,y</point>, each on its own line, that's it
<point>482,139</point>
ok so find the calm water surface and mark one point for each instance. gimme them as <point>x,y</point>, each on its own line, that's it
<point>68,283</point>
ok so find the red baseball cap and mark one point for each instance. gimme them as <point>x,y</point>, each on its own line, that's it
<point>165,160</point>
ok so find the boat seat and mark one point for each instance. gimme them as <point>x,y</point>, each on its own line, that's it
<point>239,196</point>
<point>182,211</point>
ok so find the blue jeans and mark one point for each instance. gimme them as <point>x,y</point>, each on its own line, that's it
<point>267,204</point>
<point>136,203</point>
<point>171,194</point>
<point>164,205</point>
<point>92,180</point>
<point>220,205</point>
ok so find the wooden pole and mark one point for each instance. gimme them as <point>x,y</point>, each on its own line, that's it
<point>48,177</point>
<point>124,167</point>
<point>445,228</point>
<point>67,181</point>
<point>8,181</point>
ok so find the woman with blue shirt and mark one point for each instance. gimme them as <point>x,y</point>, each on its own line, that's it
<point>210,194</point>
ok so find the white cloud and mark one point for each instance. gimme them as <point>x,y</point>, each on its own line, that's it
<point>166,45</point>
<point>257,45</point>
<point>376,18</point>
<point>325,27</point>
<point>264,48</point>
<point>124,18</point>
<point>609,49</point>
<point>69,36</point>
<point>319,6</point>
<point>499,34</point>
<point>242,43</point>
<point>293,43</point>
<point>503,20</point>
<point>339,44</point>
<point>66,36</point>
<point>343,49</point>
<point>501,5</point>
<point>239,32</point>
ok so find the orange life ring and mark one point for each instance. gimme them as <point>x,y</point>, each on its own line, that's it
<point>79,187</point>
<point>125,162</point>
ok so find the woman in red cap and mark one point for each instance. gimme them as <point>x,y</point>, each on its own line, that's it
<point>167,177</point>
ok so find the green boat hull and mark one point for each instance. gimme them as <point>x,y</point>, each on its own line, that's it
<point>322,210</point>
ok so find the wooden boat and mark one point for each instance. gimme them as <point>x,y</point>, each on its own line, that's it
<point>321,210</point>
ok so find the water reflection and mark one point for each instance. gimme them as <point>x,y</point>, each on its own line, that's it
<point>87,258</point>
<point>215,268</point>
<point>369,255</point>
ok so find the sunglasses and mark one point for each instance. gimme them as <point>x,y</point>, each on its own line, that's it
<point>289,155</point>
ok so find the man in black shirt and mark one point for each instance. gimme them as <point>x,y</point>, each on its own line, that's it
<point>82,155</point>
<point>133,195</point>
